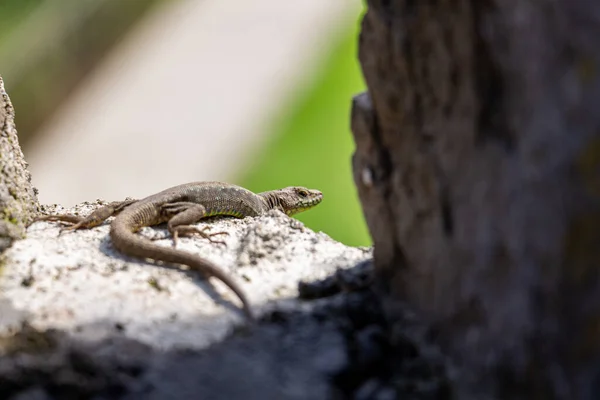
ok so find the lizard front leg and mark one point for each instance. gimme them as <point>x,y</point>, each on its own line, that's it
<point>182,215</point>
<point>94,219</point>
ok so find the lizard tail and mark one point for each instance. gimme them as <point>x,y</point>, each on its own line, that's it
<point>129,243</point>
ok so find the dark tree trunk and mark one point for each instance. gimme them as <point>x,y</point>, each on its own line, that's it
<point>478,167</point>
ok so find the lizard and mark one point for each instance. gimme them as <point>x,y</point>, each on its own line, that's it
<point>180,206</point>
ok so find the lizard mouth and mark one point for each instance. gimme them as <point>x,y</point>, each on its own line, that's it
<point>306,204</point>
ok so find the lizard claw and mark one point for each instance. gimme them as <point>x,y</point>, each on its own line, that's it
<point>187,230</point>
<point>71,227</point>
<point>69,222</point>
<point>210,239</point>
<point>175,236</point>
<point>203,232</point>
<point>65,229</point>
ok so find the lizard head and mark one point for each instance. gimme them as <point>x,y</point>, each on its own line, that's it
<point>294,199</point>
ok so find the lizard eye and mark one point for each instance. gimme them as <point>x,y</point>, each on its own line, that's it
<point>302,193</point>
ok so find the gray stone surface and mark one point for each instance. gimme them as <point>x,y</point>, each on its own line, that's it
<point>78,319</point>
<point>78,283</point>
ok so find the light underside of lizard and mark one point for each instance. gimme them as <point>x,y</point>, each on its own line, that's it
<point>181,206</point>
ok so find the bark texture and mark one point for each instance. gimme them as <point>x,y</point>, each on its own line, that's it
<point>478,167</point>
<point>18,198</point>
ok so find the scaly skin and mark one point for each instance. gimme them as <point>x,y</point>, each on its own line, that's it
<point>181,206</point>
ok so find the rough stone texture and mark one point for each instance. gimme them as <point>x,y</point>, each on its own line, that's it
<point>477,164</point>
<point>79,320</point>
<point>78,281</point>
<point>18,198</point>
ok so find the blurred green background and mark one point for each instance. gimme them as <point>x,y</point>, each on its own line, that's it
<point>310,143</point>
<point>12,12</point>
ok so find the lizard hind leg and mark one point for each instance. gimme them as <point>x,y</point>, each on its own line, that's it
<point>183,214</point>
<point>94,219</point>
<point>72,222</point>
